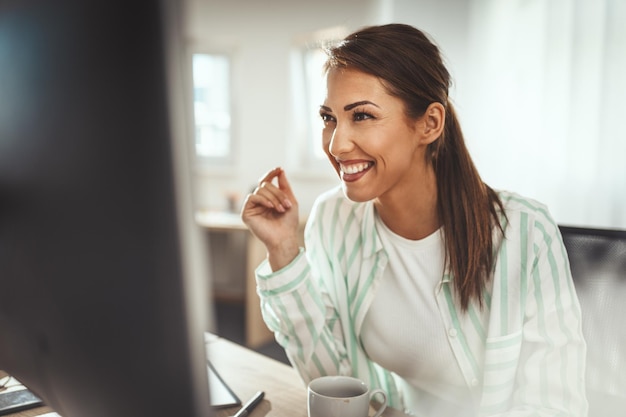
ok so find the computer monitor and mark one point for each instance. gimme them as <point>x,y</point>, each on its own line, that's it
<point>102,304</point>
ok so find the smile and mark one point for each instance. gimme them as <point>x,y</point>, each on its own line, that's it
<point>354,171</point>
<point>355,168</point>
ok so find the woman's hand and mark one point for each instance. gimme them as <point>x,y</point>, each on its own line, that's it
<point>271,214</point>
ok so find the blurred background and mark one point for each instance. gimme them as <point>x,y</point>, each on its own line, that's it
<point>538,86</point>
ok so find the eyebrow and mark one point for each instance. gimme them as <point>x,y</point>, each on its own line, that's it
<point>357,104</point>
<point>351,106</point>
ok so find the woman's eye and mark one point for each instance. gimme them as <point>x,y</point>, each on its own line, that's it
<point>326,118</point>
<point>360,116</point>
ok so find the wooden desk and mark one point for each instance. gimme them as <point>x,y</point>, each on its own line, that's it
<point>247,372</point>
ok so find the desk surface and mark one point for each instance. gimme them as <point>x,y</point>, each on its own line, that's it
<point>247,372</point>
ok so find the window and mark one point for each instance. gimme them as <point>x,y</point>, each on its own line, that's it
<point>212,107</point>
<point>314,59</point>
<point>308,92</point>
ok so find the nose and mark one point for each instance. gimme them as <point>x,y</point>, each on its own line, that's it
<point>340,141</point>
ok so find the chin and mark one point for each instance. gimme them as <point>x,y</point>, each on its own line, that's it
<point>355,196</point>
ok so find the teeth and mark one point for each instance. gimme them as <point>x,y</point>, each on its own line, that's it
<point>355,168</point>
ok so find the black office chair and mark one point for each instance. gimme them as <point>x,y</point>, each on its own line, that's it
<point>598,262</point>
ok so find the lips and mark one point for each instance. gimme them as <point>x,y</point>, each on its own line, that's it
<point>354,170</point>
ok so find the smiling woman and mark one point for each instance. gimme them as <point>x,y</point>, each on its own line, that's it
<point>471,284</point>
<point>373,136</point>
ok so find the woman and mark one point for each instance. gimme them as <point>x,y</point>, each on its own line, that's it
<point>417,277</point>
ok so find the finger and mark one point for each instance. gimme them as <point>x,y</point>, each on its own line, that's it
<point>271,196</point>
<point>283,184</point>
<point>255,201</point>
<point>270,175</point>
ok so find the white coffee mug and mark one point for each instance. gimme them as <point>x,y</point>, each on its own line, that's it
<point>342,396</point>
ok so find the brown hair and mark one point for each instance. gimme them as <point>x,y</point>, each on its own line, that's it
<point>411,68</point>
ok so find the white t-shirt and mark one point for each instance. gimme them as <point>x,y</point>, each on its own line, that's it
<point>403,330</point>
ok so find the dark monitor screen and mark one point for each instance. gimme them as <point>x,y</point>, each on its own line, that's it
<point>100,262</point>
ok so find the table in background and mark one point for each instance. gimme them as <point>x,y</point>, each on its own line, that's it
<point>256,332</point>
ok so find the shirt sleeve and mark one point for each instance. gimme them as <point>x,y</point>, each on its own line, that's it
<point>298,310</point>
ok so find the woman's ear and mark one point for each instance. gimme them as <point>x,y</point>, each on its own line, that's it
<point>432,123</point>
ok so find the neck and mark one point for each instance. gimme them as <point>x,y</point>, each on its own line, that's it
<point>411,212</point>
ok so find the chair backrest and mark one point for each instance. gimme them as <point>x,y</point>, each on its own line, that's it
<point>598,263</point>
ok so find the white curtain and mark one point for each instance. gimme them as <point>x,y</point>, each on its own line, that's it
<point>545,113</point>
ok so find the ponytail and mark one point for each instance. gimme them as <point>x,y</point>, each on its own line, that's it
<point>468,211</point>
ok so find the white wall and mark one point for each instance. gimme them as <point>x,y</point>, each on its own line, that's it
<point>546,111</point>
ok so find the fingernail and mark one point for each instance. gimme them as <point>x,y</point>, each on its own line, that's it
<point>287,203</point>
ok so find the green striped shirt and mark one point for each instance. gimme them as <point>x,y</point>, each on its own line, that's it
<point>530,358</point>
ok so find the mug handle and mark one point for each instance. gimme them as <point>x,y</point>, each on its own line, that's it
<point>384,403</point>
